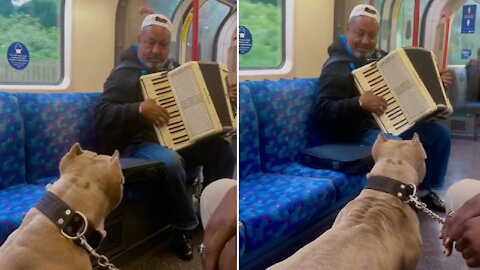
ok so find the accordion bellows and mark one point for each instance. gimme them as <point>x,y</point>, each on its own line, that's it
<point>196,98</point>
<point>409,80</point>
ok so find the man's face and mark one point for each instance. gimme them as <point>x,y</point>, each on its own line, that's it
<point>362,32</point>
<point>154,46</point>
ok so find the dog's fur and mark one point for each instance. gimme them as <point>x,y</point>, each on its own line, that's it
<point>375,231</point>
<point>89,183</point>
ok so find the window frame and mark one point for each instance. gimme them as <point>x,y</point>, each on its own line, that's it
<point>286,67</point>
<point>65,57</point>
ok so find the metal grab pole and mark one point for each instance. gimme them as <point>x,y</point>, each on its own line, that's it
<point>445,40</point>
<point>416,18</point>
<point>195,31</point>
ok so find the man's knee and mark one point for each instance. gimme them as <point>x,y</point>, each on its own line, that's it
<point>460,192</point>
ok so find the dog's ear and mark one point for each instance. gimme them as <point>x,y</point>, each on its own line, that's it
<point>416,141</point>
<point>377,145</point>
<point>75,150</point>
<point>115,156</point>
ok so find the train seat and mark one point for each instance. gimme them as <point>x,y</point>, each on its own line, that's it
<point>466,107</point>
<point>37,129</point>
<point>283,204</point>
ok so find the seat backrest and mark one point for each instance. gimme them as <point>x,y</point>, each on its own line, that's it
<point>473,80</point>
<point>285,115</point>
<point>53,123</point>
<point>457,93</point>
<point>249,155</point>
<point>12,142</point>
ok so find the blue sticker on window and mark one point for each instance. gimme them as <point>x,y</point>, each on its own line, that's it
<point>18,56</point>
<point>245,40</point>
<point>466,53</point>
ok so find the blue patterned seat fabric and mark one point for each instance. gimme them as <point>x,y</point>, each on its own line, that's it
<point>36,130</point>
<point>278,195</point>
<point>12,143</point>
<point>53,123</point>
<point>274,204</point>
<point>15,202</point>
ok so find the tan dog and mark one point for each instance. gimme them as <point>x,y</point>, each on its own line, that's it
<point>89,183</point>
<point>375,231</point>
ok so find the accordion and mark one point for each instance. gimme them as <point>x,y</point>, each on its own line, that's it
<point>196,98</point>
<point>410,82</point>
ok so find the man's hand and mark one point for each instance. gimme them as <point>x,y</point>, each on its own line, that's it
<point>458,228</point>
<point>469,242</point>
<point>232,93</point>
<point>372,103</point>
<point>446,78</point>
<point>153,112</point>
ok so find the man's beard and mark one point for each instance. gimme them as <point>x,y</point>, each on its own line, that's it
<point>363,55</point>
<point>154,66</point>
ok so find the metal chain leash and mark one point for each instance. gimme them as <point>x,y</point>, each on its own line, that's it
<point>102,260</point>
<point>422,206</point>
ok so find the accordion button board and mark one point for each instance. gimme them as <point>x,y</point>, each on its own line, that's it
<point>395,78</point>
<point>196,98</point>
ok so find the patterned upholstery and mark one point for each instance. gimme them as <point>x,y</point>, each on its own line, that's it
<point>14,204</point>
<point>273,204</point>
<point>36,130</point>
<point>346,185</point>
<point>278,196</point>
<point>248,137</point>
<point>12,143</point>
<point>53,123</point>
<point>241,238</point>
<point>284,111</point>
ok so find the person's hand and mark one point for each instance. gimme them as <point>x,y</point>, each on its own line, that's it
<point>372,103</point>
<point>455,225</point>
<point>232,93</point>
<point>153,112</point>
<point>446,78</point>
<point>469,242</point>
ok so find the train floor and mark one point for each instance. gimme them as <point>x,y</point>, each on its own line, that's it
<point>464,160</point>
<point>464,163</point>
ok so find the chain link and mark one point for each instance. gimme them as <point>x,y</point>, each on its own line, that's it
<point>102,260</point>
<point>422,206</point>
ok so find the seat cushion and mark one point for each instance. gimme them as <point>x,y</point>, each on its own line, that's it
<point>53,123</point>
<point>12,143</point>
<point>272,204</point>
<point>347,186</point>
<point>15,202</point>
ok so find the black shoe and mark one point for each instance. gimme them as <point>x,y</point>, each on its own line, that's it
<point>182,244</point>
<point>433,202</point>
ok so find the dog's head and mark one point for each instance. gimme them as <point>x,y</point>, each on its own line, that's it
<point>408,153</point>
<point>100,174</point>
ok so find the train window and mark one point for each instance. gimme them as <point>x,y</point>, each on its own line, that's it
<point>405,22</point>
<point>211,15</point>
<point>463,42</point>
<point>32,40</point>
<point>166,7</point>
<point>264,20</point>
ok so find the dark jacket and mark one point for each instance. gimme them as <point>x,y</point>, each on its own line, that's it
<point>118,122</point>
<point>338,114</point>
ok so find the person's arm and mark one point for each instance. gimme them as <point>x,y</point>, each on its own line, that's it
<point>119,104</point>
<point>446,78</point>
<point>337,102</point>
<point>220,230</point>
<point>228,256</point>
<point>459,225</point>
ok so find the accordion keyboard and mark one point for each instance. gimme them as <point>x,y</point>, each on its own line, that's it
<point>163,95</point>
<point>393,118</point>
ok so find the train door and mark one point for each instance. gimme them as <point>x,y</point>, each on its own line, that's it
<point>217,24</point>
